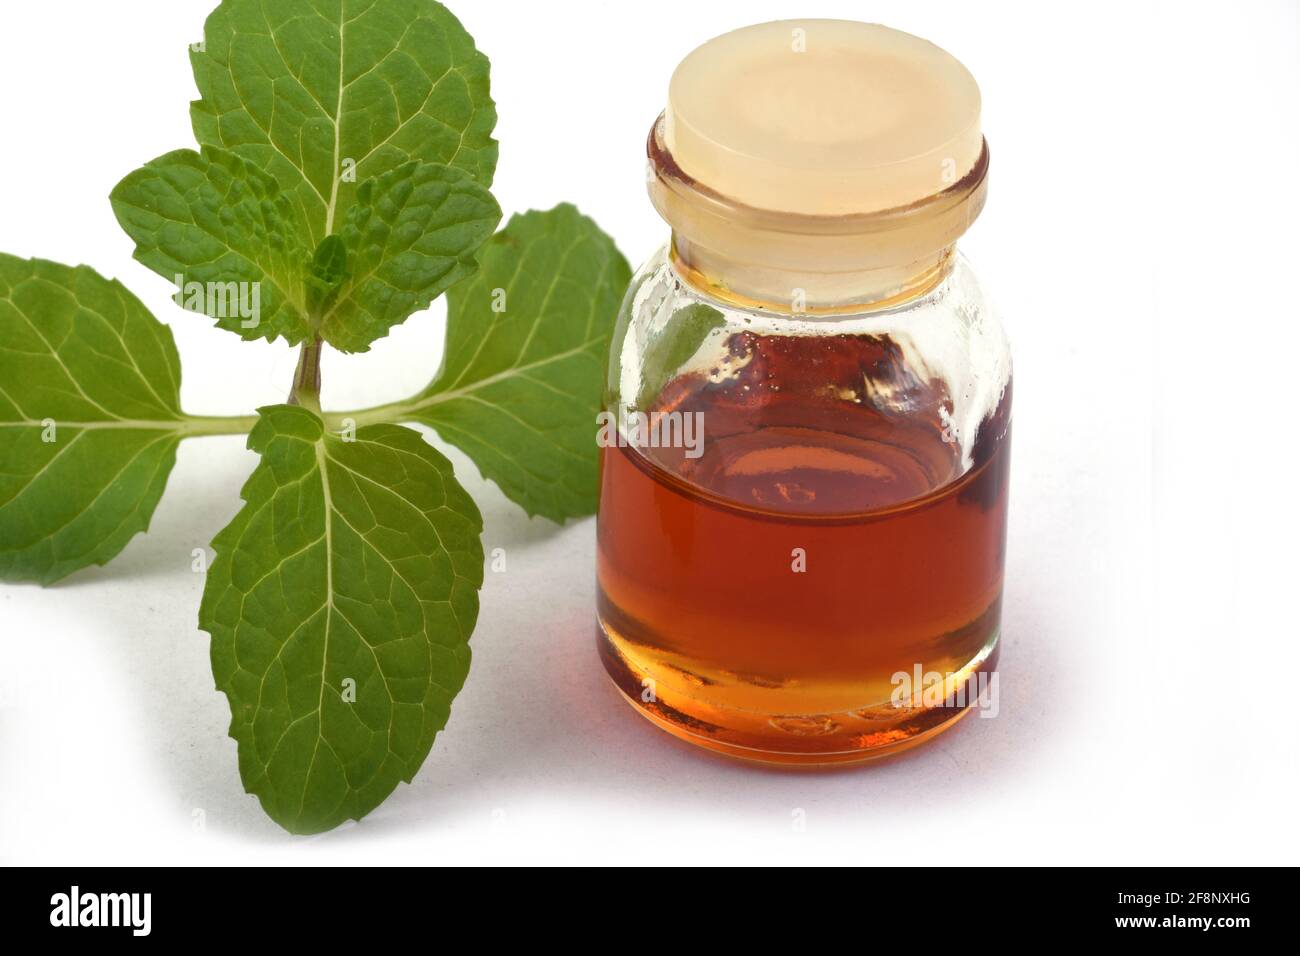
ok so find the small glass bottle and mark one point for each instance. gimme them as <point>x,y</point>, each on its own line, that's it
<point>804,471</point>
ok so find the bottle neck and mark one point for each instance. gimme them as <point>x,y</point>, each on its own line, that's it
<point>799,292</point>
<point>810,264</point>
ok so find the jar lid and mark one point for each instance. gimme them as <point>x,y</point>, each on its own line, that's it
<point>823,117</point>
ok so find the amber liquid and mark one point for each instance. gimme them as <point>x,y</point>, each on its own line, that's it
<point>758,599</point>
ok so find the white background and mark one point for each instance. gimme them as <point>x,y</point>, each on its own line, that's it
<point>1140,239</point>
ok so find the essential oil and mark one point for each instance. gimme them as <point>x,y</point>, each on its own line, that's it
<point>758,599</point>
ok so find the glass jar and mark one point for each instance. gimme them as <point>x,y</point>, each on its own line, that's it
<point>806,432</point>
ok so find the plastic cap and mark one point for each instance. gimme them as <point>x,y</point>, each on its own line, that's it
<point>823,117</point>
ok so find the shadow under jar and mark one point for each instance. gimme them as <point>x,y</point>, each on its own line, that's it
<point>807,426</point>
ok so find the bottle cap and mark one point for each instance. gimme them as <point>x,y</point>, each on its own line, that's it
<point>823,117</point>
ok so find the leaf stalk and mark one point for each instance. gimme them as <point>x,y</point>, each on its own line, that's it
<point>306,378</point>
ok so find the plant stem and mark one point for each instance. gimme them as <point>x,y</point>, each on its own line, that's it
<point>218,424</point>
<point>391,412</point>
<point>306,379</point>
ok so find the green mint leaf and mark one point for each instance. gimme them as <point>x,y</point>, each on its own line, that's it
<point>340,603</point>
<point>224,227</point>
<point>325,94</point>
<point>329,267</point>
<point>410,236</point>
<point>527,341</point>
<point>665,354</point>
<point>89,417</point>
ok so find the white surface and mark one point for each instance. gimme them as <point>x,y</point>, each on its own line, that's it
<point>1140,239</point>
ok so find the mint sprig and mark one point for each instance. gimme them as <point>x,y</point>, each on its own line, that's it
<point>410,236</point>
<point>325,96</point>
<point>90,418</point>
<point>215,217</point>
<point>340,605</point>
<point>343,172</point>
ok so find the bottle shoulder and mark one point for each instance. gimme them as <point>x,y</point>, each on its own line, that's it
<point>941,356</point>
<point>658,291</point>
